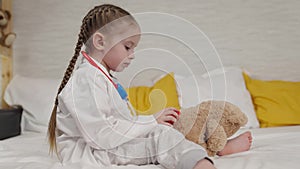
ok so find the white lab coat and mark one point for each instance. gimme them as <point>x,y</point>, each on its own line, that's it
<point>95,125</point>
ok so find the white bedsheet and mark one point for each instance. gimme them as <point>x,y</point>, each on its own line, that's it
<point>273,148</point>
<point>30,151</point>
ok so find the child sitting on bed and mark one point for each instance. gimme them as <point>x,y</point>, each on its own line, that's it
<point>92,120</point>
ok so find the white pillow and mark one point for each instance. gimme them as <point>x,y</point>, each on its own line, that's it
<point>190,90</point>
<point>36,96</point>
<point>219,84</point>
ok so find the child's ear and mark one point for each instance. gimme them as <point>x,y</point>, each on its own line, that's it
<point>98,41</point>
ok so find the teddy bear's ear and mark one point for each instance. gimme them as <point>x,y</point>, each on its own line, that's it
<point>8,15</point>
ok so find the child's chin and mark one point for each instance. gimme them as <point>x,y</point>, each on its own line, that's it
<point>119,69</point>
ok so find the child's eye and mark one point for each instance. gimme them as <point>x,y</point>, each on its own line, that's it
<point>127,48</point>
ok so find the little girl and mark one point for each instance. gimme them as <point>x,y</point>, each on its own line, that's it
<point>92,120</point>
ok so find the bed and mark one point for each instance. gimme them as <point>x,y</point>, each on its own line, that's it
<point>246,35</point>
<point>273,148</point>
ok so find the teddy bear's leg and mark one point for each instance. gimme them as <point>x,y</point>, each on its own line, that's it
<point>217,138</point>
<point>209,152</point>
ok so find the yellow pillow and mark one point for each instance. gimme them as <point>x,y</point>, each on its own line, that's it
<point>277,103</point>
<point>149,100</point>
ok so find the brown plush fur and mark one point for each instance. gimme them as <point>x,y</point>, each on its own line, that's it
<point>210,124</point>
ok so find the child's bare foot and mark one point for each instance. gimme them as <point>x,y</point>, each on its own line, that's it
<point>238,144</point>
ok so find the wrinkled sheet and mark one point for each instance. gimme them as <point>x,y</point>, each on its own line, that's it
<point>272,148</point>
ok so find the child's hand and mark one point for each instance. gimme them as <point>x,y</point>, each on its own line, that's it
<point>167,116</point>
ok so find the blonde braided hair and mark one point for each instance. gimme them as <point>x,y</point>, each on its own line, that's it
<point>95,19</point>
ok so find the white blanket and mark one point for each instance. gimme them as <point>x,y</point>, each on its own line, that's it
<point>273,148</point>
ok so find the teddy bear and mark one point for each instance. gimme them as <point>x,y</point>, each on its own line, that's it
<point>6,39</point>
<point>210,123</point>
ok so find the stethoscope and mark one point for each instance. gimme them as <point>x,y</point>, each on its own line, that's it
<point>122,92</point>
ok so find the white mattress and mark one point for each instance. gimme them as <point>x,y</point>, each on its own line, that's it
<point>273,148</point>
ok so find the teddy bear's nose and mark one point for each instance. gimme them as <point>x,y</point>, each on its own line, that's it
<point>1,17</point>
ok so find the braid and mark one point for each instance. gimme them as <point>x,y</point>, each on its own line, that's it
<point>93,21</point>
<point>67,75</point>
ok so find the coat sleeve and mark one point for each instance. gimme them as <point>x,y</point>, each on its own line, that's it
<point>89,102</point>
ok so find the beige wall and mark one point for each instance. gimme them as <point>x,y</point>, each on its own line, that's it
<point>261,36</point>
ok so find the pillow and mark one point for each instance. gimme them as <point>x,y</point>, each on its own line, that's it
<point>190,90</point>
<point>149,100</point>
<point>36,95</point>
<point>220,84</point>
<point>277,103</point>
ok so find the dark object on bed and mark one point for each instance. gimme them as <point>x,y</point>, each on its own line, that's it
<point>10,119</point>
